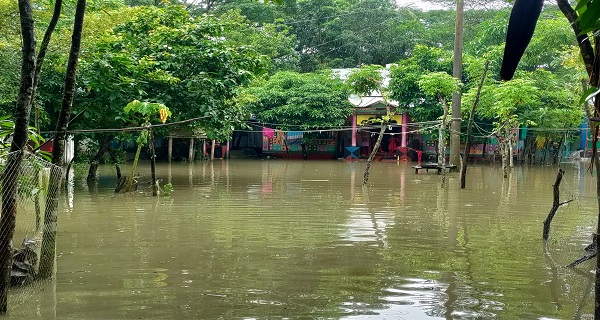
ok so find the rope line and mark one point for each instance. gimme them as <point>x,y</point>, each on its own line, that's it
<point>138,128</point>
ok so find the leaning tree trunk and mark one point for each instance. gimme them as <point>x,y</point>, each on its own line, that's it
<point>373,153</point>
<point>13,164</point>
<point>42,55</point>
<point>133,168</point>
<point>51,214</point>
<point>115,161</point>
<point>463,169</point>
<point>96,159</point>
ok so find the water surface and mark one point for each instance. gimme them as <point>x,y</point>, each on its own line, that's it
<point>278,239</point>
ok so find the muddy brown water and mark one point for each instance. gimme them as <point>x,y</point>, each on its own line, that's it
<point>278,239</point>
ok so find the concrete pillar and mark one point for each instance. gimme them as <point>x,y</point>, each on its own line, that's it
<point>191,152</point>
<point>170,150</point>
<point>354,130</point>
<point>404,130</point>
<point>212,150</point>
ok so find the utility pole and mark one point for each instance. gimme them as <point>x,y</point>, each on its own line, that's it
<point>457,73</point>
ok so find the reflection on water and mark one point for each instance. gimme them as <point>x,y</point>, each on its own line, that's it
<point>301,239</point>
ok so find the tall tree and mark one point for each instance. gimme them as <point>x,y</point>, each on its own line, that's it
<point>583,26</point>
<point>60,136</point>
<point>369,80</point>
<point>42,55</point>
<point>20,137</point>
<point>299,100</point>
<point>457,73</point>
<point>440,86</point>
<point>163,54</point>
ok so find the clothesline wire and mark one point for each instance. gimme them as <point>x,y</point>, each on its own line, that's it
<point>422,126</point>
<point>267,124</point>
<point>136,128</point>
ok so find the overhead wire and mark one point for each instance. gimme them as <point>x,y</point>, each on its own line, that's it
<point>135,128</point>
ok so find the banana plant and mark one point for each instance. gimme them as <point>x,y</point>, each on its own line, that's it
<point>144,110</point>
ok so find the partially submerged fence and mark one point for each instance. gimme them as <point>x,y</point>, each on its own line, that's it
<point>27,189</point>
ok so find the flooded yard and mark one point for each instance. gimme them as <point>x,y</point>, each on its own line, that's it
<point>278,239</point>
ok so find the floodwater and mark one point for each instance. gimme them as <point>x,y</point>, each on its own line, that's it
<point>279,239</point>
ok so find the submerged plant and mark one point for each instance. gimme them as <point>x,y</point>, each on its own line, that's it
<point>146,110</point>
<point>167,189</point>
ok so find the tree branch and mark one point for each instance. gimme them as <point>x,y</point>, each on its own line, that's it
<point>585,46</point>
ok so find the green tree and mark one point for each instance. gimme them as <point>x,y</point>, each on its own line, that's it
<point>404,85</point>
<point>162,54</point>
<point>364,82</point>
<point>141,112</point>
<point>273,40</point>
<point>507,104</point>
<point>294,100</point>
<point>441,86</point>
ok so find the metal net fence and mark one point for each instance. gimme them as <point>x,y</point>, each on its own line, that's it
<point>34,189</point>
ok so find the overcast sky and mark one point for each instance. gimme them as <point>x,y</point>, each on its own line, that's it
<point>423,5</point>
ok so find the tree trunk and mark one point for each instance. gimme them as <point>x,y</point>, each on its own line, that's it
<point>510,144</point>
<point>544,150</point>
<point>505,159</point>
<point>463,168</point>
<point>49,237</point>
<point>583,40</point>
<point>96,159</point>
<point>555,204</point>
<point>594,79</point>
<point>504,141</point>
<point>133,167</point>
<point>116,162</point>
<point>13,163</point>
<point>441,138</point>
<point>42,55</point>
<point>457,73</point>
<point>373,153</point>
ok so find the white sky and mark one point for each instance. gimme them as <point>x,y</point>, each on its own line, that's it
<point>423,5</point>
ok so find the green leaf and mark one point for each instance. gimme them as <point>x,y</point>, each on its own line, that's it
<point>589,20</point>
<point>588,94</point>
<point>581,4</point>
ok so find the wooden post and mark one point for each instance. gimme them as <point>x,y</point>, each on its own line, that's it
<point>191,151</point>
<point>152,161</point>
<point>465,159</point>
<point>212,150</point>
<point>170,151</point>
<point>227,154</point>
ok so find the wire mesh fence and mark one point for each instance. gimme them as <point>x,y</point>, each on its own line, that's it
<point>28,185</point>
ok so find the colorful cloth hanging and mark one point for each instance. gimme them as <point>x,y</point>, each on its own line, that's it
<point>294,137</point>
<point>268,133</point>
